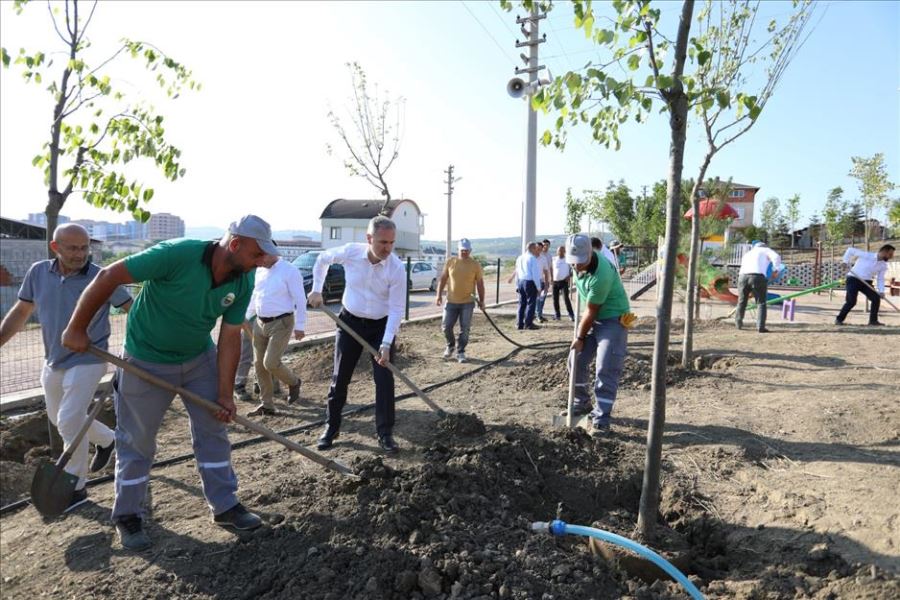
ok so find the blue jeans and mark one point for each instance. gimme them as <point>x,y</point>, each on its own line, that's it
<point>541,299</point>
<point>453,312</point>
<point>608,341</point>
<point>527,296</point>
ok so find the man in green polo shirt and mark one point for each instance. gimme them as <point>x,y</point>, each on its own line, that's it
<point>602,331</point>
<point>188,285</point>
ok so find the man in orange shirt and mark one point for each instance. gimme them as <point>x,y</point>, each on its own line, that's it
<point>462,276</point>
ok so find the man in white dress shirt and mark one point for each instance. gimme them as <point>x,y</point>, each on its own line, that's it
<point>546,263</point>
<point>373,301</point>
<point>528,278</point>
<point>752,279</point>
<point>865,267</point>
<point>279,303</point>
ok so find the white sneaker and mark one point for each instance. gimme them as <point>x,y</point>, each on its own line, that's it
<point>448,352</point>
<point>461,357</point>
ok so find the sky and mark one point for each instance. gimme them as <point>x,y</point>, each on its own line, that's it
<point>254,138</point>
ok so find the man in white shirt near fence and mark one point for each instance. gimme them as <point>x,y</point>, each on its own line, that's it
<point>374,300</point>
<point>528,279</point>
<point>752,279</point>
<point>865,268</point>
<point>279,303</point>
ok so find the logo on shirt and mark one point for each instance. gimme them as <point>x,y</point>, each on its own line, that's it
<point>228,300</point>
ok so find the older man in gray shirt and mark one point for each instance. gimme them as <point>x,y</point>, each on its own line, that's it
<point>69,379</point>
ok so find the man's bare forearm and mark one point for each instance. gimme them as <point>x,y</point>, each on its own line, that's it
<point>98,293</point>
<point>229,354</point>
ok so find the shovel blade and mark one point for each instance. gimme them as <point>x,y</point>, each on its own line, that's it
<point>51,489</point>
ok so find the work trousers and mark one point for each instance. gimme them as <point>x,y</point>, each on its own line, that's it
<point>346,354</point>
<point>246,360</point>
<point>140,407</point>
<point>562,287</point>
<point>854,287</point>
<point>454,312</point>
<point>68,394</point>
<point>608,343</point>
<point>527,292</point>
<point>270,340</point>
<point>758,285</point>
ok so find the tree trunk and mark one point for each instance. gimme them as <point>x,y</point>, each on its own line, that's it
<point>687,348</point>
<point>866,228</point>
<point>678,109</point>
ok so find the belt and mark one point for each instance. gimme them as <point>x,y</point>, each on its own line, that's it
<point>349,316</point>
<point>270,319</point>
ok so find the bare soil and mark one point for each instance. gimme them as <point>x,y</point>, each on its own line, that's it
<point>780,481</point>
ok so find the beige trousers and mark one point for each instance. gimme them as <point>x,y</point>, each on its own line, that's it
<point>270,340</point>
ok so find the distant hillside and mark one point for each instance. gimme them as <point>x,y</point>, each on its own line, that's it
<point>209,233</point>
<point>504,247</point>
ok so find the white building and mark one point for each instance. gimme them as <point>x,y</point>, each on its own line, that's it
<point>345,221</point>
<point>164,226</point>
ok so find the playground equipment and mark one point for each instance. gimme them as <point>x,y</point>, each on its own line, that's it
<point>824,286</point>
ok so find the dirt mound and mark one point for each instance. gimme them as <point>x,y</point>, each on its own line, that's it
<point>461,424</point>
<point>15,481</point>
<point>21,434</point>
<point>316,363</point>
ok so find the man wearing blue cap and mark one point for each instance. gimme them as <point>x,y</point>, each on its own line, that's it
<point>601,331</point>
<point>188,285</point>
<point>464,276</point>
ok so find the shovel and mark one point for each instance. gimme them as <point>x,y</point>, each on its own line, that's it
<point>52,487</point>
<point>214,407</point>
<point>871,287</point>
<point>568,419</point>
<point>362,342</point>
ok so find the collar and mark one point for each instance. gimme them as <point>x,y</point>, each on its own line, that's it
<point>54,268</point>
<point>206,259</point>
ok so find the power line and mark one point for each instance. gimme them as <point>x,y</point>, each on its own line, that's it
<point>490,35</point>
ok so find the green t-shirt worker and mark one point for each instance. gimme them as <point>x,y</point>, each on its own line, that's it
<point>188,285</point>
<point>602,331</point>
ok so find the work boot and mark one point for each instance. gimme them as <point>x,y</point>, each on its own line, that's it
<point>532,327</point>
<point>448,351</point>
<point>599,430</point>
<point>238,517</point>
<point>131,533</point>
<point>101,457</point>
<point>876,324</point>
<point>386,443</point>
<point>294,392</point>
<point>241,393</point>
<point>326,440</point>
<point>79,497</point>
<point>262,411</point>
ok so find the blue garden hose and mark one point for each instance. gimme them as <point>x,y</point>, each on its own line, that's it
<point>558,527</point>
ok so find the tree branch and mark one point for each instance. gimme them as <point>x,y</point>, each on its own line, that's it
<point>55,25</point>
<point>88,22</point>
<point>653,64</point>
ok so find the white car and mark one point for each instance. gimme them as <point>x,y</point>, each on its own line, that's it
<point>423,276</point>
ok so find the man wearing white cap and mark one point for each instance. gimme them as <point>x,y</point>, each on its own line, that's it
<point>752,280</point>
<point>188,285</point>
<point>462,276</point>
<point>600,332</point>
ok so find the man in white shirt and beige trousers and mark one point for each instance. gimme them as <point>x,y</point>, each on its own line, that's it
<point>374,300</point>
<point>279,303</point>
<point>865,268</point>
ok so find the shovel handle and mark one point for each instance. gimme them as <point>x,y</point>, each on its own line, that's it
<point>390,365</point>
<point>214,407</point>
<point>70,449</point>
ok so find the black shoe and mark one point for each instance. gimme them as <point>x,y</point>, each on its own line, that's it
<point>262,411</point>
<point>132,534</point>
<point>876,324</point>
<point>256,388</point>
<point>241,393</point>
<point>101,457</point>
<point>532,327</point>
<point>79,497</point>
<point>556,318</point>
<point>386,443</point>
<point>763,330</point>
<point>739,325</point>
<point>599,431</point>
<point>838,323</point>
<point>326,440</point>
<point>294,392</point>
<point>542,320</point>
<point>238,517</point>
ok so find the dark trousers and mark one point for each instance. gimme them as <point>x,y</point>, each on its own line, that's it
<point>854,287</point>
<point>758,285</point>
<point>527,298</point>
<point>346,354</point>
<point>562,287</point>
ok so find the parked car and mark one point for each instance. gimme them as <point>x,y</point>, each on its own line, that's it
<point>423,276</point>
<point>334,280</point>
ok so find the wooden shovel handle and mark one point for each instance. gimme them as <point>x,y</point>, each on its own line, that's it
<point>70,449</point>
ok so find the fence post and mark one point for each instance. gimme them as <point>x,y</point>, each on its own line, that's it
<point>408,272</point>
<point>498,280</point>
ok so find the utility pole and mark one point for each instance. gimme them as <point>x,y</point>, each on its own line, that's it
<point>533,40</point>
<point>450,181</point>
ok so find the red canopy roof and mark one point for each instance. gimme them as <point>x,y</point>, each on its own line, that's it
<point>708,207</point>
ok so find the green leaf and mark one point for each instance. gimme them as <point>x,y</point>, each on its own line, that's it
<point>665,82</point>
<point>5,56</point>
<point>547,138</point>
<point>724,99</point>
<point>703,57</point>
<point>634,61</point>
<point>754,112</point>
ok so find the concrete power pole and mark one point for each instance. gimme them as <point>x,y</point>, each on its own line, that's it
<point>532,42</point>
<point>450,181</point>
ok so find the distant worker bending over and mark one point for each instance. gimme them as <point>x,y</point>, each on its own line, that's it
<point>752,280</point>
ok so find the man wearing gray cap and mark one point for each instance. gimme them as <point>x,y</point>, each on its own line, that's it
<point>464,275</point>
<point>600,332</point>
<point>188,285</point>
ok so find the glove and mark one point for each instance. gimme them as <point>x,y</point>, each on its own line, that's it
<point>627,320</point>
